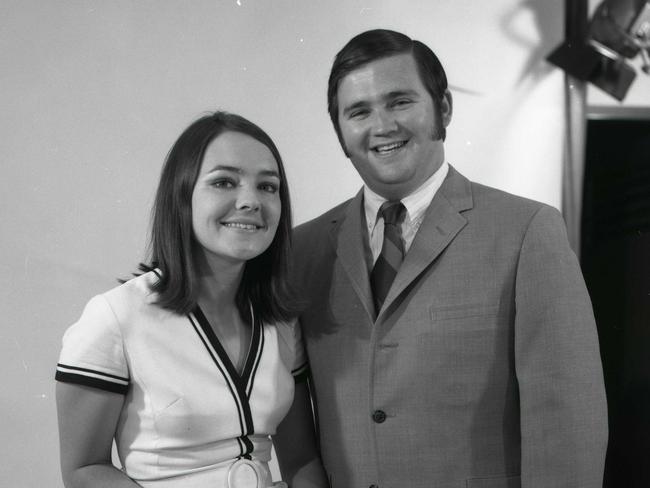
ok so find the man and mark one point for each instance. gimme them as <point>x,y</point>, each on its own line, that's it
<point>450,335</point>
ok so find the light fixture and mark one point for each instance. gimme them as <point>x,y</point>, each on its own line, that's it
<point>618,30</point>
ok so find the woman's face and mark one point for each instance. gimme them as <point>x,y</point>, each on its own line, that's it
<point>236,199</point>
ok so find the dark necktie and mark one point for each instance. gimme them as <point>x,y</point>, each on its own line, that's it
<point>392,252</point>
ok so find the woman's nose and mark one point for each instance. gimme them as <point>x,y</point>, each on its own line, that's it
<point>247,198</point>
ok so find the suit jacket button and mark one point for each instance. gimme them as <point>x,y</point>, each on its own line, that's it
<point>379,416</point>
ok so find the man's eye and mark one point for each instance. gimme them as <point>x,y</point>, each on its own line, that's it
<point>402,102</point>
<point>358,114</point>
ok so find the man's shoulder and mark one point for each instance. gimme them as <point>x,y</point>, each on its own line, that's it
<point>323,222</point>
<point>496,206</point>
<point>514,215</point>
<point>312,241</point>
<point>493,199</point>
<point>466,194</point>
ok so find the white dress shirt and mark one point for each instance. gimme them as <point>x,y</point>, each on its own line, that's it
<point>416,205</point>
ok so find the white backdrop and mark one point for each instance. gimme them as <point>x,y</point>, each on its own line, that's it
<point>94,93</point>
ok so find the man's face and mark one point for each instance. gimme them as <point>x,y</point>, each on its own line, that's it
<point>390,125</point>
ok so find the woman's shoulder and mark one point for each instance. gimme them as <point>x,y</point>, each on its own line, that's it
<point>111,316</point>
<point>291,348</point>
<point>284,326</point>
<point>139,286</point>
<point>132,295</point>
<point>287,333</point>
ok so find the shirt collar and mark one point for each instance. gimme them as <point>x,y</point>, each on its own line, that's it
<point>416,203</point>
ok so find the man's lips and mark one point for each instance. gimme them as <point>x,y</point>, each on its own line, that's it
<point>388,148</point>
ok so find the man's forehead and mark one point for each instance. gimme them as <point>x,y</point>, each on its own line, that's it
<point>384,77</point>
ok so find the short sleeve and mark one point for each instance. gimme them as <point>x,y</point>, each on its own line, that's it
<point>292,350</point>
<point>93,351</point>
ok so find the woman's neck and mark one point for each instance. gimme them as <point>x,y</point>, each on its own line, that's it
<point>218,284</point>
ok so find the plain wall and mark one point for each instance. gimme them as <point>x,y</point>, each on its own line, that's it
<point>95,92</point>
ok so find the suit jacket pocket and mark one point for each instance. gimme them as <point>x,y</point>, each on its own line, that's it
<point>500,482</point>
<point>463,311</point>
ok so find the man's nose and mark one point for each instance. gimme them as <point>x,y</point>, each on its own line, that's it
<point>247,198</point>
<point>384,123</point>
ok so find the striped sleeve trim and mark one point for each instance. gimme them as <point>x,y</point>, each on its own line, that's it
<point>301,373</point>
<point>92,378</point>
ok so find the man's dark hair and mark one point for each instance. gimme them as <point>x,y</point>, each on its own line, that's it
<point>173,247</point>
<point>378,44</point>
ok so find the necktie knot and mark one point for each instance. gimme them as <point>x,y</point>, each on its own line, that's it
<point>393,212</point>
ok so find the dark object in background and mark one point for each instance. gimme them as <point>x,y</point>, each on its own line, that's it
<point>615,259</point>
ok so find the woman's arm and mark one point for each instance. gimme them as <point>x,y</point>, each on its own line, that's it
<point>87,421</point>
<point>295,444</point>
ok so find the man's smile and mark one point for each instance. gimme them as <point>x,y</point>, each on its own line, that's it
<point>389,148</point>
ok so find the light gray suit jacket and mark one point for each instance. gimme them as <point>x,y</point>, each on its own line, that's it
<point>484,359</point>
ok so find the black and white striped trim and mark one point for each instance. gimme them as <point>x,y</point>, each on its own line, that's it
<point>245,447</point>
<point>91,377</point>
<point>254,355</point>
<point>240,387</point>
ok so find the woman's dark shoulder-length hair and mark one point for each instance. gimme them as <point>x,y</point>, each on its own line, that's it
<point>172,244</point>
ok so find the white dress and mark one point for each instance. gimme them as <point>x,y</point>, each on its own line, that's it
<point>188,414</point>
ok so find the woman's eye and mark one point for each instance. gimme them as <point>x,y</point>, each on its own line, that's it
<point>223,183</point>
<point>269,187</point>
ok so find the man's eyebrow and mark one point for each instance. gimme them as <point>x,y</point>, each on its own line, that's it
<point>238,170</point>
<point>400,93</point>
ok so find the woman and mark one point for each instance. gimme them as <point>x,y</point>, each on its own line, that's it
<point>190,366</point>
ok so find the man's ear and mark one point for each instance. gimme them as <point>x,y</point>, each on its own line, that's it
<point>446,108</point>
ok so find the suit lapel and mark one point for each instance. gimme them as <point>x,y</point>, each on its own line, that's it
<point>347,236</point>
<point>442,222</point>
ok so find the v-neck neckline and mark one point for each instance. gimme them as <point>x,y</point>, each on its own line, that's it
<point>253,344</point>
<point>239,385</point>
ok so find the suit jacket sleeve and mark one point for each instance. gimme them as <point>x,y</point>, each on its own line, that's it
<point>562,396</point>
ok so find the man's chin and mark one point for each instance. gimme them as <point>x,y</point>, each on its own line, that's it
<point>392,188</point>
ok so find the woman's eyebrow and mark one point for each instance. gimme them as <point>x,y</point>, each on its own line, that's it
<point>270,172</point>
<point>238,170</point>
<point>225,167</point>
